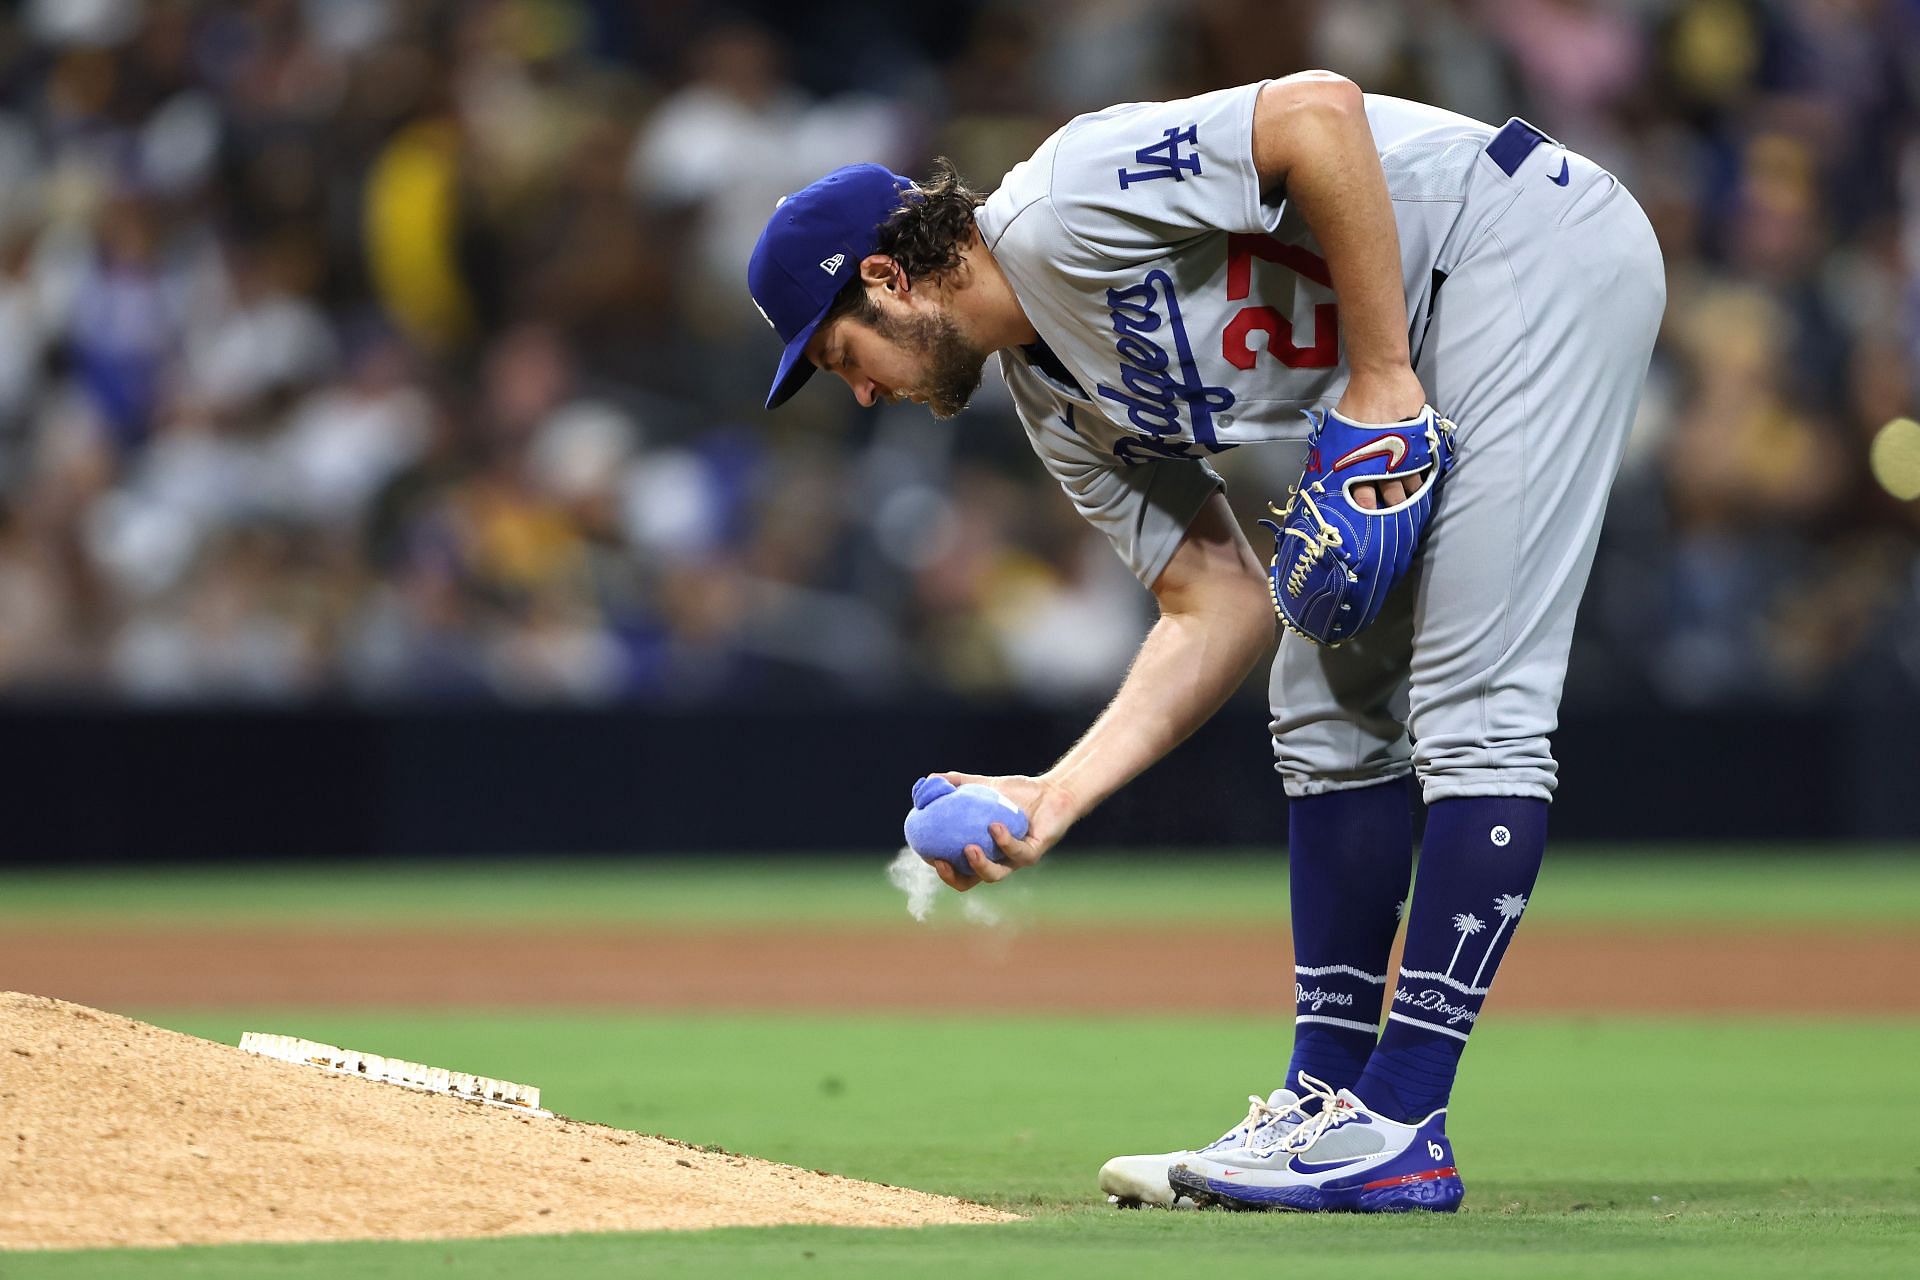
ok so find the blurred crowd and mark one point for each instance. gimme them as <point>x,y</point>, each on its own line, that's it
<point>389,349</point>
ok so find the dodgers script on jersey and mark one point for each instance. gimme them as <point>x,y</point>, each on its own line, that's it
<point>1186,311</point>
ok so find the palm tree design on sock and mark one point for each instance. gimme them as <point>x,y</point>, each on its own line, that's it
<point>1509,905</point>
<point>1467,924</point>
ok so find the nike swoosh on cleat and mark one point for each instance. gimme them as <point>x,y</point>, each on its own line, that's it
<point>1317,1167</point>
<point>1560,178</point>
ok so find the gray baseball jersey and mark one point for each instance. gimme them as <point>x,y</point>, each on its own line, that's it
<point>1183,312</point>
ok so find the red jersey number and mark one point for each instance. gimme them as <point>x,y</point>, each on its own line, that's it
<point>1236,341</point>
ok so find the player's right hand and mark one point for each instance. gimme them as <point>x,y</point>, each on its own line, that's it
<point>1049,811</point>
<point>1388,396</point>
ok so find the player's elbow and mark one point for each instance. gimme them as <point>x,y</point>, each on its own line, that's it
<point>1230,597</point>
<point>1215,579</point>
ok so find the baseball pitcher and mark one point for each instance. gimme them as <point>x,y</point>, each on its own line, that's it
<point>1450,323</point>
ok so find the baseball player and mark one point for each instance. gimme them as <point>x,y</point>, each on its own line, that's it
<point>1292,264</point>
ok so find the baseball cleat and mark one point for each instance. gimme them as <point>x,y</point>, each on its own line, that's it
<point>1132,1182</point>
<point>1344,1159</point>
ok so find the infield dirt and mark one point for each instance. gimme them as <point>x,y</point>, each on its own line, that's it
<point>1056,969</point>
<point>121,1133</point>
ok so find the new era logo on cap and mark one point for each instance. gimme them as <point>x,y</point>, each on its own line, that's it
<point>828,225</point>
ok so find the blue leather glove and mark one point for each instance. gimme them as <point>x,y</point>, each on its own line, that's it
<point>946,819</point>
<point>1335,561</point>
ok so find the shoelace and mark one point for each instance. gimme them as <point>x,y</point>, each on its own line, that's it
<point>1262,1116</point>
<point>1332,1114</point>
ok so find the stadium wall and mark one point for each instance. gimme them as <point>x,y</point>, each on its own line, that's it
<point>113,786</point>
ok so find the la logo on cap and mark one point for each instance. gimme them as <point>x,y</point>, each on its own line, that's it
<point>832,265</point>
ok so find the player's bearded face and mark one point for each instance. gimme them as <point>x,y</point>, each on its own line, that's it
<point>952,365</point>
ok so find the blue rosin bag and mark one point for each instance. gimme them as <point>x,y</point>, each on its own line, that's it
<point>946,819</point>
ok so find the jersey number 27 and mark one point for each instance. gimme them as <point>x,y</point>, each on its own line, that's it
<point>1236,339</point>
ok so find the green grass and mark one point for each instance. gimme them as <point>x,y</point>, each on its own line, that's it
<point>1074,886</point>
<point>1773,1148</point>
<point>1100,1245</point>
<point>1603,1148</point>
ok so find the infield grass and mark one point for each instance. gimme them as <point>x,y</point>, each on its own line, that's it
<point>1591,1146</point>
<point>1604,1148</point>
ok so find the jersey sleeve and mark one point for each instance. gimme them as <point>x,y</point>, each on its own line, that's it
<point>1143,508</point>
<point>1135,179</point>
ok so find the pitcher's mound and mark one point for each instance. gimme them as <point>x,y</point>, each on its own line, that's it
<point>120,1133</point>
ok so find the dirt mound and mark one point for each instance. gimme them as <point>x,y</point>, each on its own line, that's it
<point>119,1133</point>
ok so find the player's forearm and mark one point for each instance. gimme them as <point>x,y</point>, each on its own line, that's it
<point>1190,662</point>
<point>1313,137</point>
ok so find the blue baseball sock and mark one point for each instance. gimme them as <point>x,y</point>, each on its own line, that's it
<point>1350,856</point>
<point>1477,867</point>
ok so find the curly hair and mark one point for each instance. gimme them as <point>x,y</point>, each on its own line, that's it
<point>934,222</point>
<point>926,235</point>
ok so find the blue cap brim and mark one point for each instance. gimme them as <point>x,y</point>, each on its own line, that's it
<point>794,368</point>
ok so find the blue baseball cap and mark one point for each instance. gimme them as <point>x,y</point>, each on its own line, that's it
<point>812,246</point>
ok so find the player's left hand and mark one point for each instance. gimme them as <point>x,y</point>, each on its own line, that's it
<point>1049,813</point>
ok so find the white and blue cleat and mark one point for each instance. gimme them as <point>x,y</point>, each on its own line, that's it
<point>1344,1159</point>
<point>1135,1181</point>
